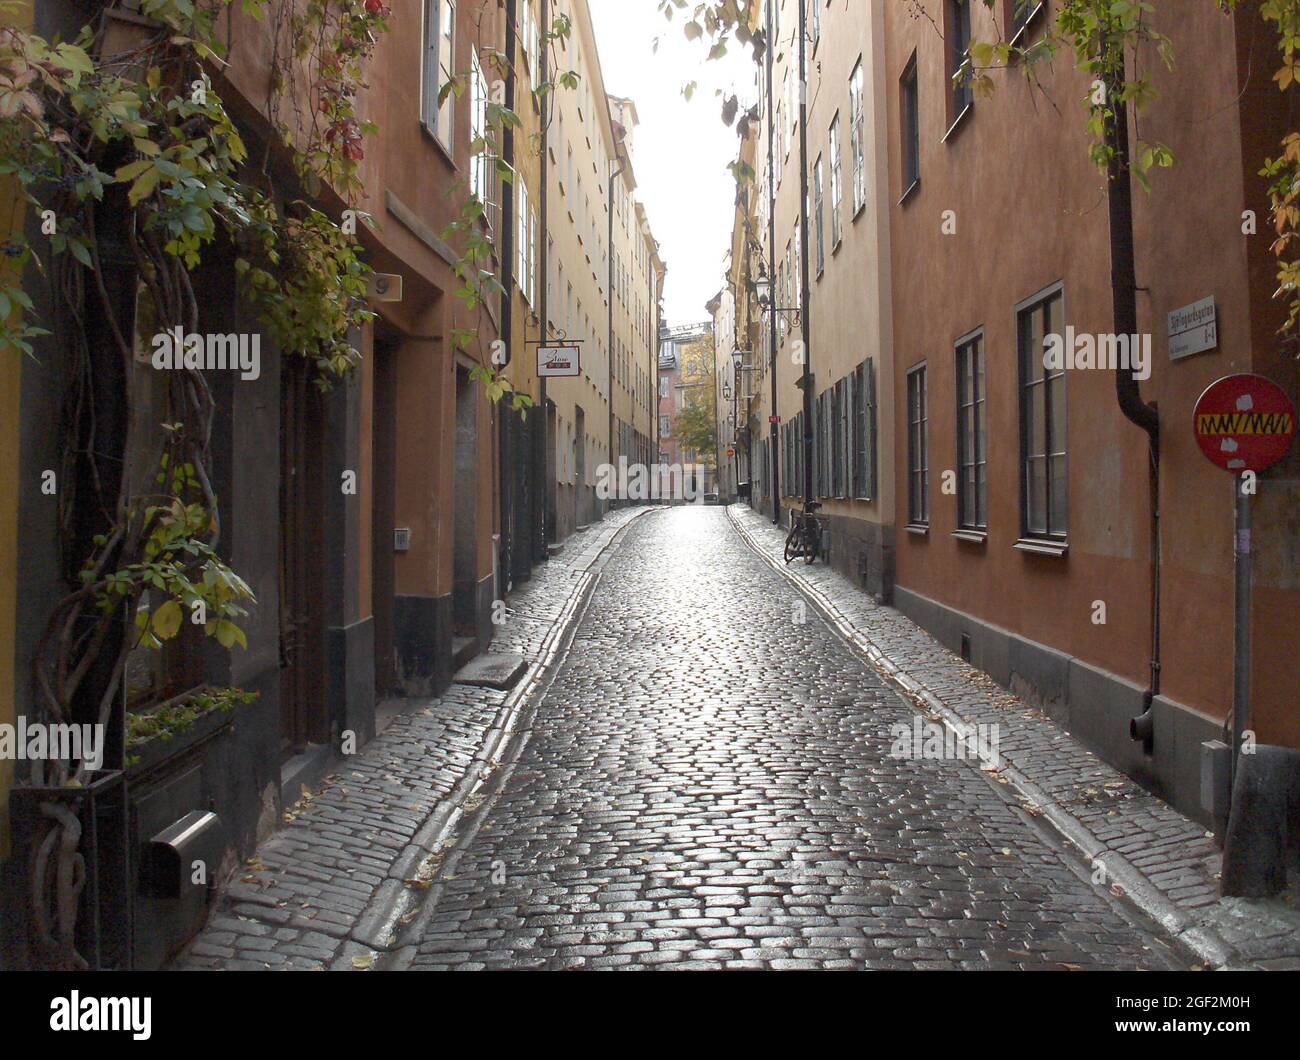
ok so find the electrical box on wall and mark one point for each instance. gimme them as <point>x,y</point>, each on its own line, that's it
<point>402,540</point>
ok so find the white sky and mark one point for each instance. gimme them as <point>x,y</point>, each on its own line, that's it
<point>680,150</point>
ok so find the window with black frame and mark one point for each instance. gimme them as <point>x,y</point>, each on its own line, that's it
<point>863,427</point>
<point>959,37</point>
<point>911,125</point>
<point>1042,422</point>
<point>918,441</point>
<point>1020,13</point>
<point>833,431</point>
<point>972,437</point>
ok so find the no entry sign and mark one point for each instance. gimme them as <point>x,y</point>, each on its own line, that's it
<point>1244,423</point>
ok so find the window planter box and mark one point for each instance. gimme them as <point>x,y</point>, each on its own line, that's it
<point>177,734</point>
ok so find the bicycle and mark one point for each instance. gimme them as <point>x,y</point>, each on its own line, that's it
<point>805,537</point>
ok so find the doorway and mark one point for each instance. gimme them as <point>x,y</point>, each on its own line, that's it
<point>383,581</point>
<point>303,714</point>
<point>465,507</point>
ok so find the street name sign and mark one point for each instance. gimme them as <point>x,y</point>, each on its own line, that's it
<point>1193,329</point>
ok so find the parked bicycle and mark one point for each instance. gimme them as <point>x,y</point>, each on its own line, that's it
<point>805,537</point>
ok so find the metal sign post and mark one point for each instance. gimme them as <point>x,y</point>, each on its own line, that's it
<point>1244,424</point>
<point>1241,623</point>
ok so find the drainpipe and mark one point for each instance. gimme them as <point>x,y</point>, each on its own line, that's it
<point>804,278</point>
<point>543,487</point>
<point>1137,411</point>
<point>505,455</point>
<point>609,286</point>
<point>771,277</point>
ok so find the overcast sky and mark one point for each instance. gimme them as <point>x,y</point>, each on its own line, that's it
<point>680,150</point>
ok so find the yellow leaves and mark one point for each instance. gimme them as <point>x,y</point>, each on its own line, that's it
<point>143,186</point>
<point>144,174</point>
<point>132,170</point>
<point>167,620</point>
<point>229,634</point>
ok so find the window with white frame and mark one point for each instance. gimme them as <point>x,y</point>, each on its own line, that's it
<point>819,222</point>
<point>483,164</point>
<point>527,232</point>
<point>437,110</point>
<point>836,182</point>
<point>858,137</point>
<point>527,30</point>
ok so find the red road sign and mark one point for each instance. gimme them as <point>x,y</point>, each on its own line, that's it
<point>774,419</point>
<point>1244,423</point>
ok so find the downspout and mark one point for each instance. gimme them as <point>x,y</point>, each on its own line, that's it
<point>505,454</point>
<point>543,485</point>
<point>775,443</point>
<point>804,277</point>
<point>1137,411</point>
<point>609,288</point>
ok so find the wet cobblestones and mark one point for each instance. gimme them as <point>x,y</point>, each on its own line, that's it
<point>708,784</point>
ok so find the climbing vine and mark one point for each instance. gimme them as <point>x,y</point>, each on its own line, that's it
<point>1107,39</point>
<point>478,282</point>
<point>91,139</point>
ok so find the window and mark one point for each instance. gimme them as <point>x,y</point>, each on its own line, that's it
<point>800,451</point>
<point>857,136</point>
<point>911,127</point>
<point>533,245</point>
<point>816,21</point>
<point>797,268</point>
<point>840,415</point>
<point>836,185</point>
<point>825,448</point>
<point>958,36</point>
<point>1020,13</point>
<point>525,251</point>
<point>792,89</point>
<point>439,64</point>
<point>918,448</point>
<point>819,224</point>
<point>972,456</point>
<point>527,30</point>
<point>863,444</point>
<point>527,278</point>
<point>483,172</point>
<point>1042,421</point>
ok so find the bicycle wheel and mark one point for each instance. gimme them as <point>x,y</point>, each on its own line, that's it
<point>812,544</point>
<point>794,543</point>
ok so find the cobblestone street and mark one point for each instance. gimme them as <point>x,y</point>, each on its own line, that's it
<point>708,783</point>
